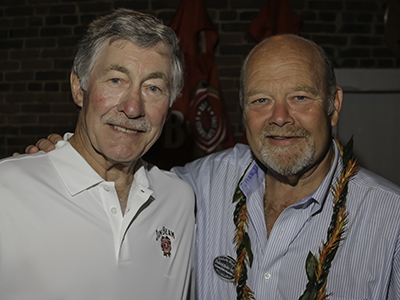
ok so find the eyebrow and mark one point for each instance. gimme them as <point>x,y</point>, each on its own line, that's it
<point>253,92</point>
<point>152,75</point>
<point>306,88</point>
<point>155,75</point>
<point>118,68</point>
<point>300,88</point>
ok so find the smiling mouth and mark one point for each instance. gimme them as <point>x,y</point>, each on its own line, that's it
<point>281,137</point>
<point>126,130</point>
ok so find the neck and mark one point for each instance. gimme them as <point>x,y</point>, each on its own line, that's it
<point>121,174</point>
<point>303,183</point>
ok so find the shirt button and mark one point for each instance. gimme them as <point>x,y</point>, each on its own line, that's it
<point>114,210</point>
<point>267,276</point>
<point>106,188</point>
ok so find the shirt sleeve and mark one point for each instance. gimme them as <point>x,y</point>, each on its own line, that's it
<point>394,285</point>
<point>190,173</point>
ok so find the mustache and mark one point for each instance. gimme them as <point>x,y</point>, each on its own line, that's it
<point>274,131</point>
<point>140,124</point>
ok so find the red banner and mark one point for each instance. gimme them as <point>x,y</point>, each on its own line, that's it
<point>276,16</point>
<point>201,101</point>
<point>198,124</point>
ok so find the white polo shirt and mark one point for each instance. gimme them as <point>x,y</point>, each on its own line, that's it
<point>63,236</point>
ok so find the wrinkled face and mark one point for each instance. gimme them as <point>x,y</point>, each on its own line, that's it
<point>126,102</point>
<point>285,112</point>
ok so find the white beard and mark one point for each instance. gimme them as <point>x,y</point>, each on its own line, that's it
<point>287,160</point>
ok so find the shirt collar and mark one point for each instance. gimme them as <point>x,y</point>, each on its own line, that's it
<point>320,194</point>
<point>255,176</point>
<point>70,165</point>
<point>141,179</point>
<point>252,179</point>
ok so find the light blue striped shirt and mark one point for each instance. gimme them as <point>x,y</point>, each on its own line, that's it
<point>366,266</point>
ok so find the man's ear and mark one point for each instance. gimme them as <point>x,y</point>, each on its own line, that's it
<point>338,105</point>
<point>76,90</point>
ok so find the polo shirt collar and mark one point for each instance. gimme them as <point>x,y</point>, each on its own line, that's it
<point>141,173</point>
<point>141,179</point>
<point>70,166</point>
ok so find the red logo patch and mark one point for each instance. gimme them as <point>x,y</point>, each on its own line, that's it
<point>166,246</point>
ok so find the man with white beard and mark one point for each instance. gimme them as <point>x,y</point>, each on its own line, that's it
<point>275,198</point>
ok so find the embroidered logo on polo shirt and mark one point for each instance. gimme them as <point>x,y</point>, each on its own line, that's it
<point>165,235</point>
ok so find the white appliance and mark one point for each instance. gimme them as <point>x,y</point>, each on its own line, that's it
<point>371,112</point>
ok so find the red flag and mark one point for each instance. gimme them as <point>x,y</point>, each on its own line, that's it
<point>200,107</point>
<point>275,17</point>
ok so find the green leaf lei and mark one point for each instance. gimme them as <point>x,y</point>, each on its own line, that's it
<point>317,268</point>
<point>243,245</point>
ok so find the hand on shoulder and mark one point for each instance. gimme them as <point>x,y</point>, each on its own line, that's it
<point>45,144</point>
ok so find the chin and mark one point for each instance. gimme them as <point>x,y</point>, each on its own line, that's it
<point>124,156</point>
<point>289,160</point>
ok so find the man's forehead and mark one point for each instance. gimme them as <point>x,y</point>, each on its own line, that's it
<point>115,61</point>
<point>299,72</point>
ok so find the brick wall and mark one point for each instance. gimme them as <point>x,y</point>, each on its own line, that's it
<point>38,38</point>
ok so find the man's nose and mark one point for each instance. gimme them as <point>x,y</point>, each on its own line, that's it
<point>132,104</point>
<point>281,114</point>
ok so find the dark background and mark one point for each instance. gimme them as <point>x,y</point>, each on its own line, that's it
<point>38,41</point>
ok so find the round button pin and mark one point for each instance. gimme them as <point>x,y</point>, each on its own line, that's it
<point>224,266</point>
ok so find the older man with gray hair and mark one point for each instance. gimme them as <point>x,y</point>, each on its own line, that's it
<point>92,220</point>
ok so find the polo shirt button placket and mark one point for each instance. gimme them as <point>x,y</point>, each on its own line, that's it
<point>114,210</point>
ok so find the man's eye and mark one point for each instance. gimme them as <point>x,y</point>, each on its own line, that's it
<point>115,80</point>
<point>261,100</point>
<point>154,88</point>
<point>300,97</point>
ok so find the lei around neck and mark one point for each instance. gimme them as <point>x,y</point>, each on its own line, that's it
<point>317,267</point>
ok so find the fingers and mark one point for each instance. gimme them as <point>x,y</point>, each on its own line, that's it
<point>54,138</point>
<point>30,149</point>
<point>43,144</point>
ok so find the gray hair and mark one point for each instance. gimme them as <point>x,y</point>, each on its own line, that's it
<point>326,62</point>
<point>143,30</point>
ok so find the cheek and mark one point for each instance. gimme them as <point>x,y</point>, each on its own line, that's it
<point>312,119</point>
<point>254,122</point>
<point>100,103</point>
<point>318,125</point>
<point>157,114</point>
